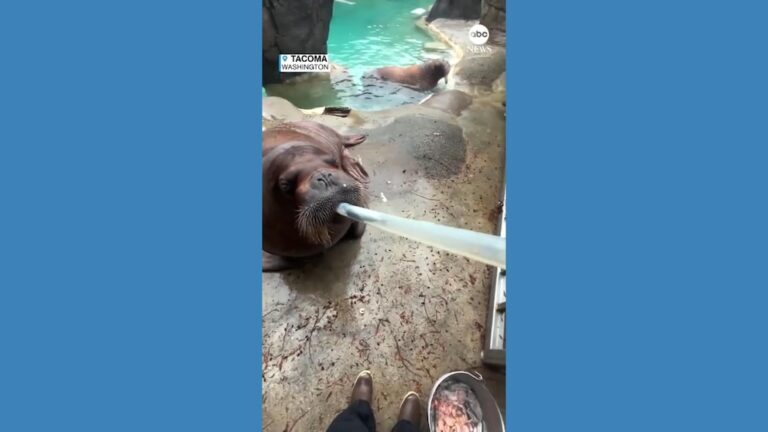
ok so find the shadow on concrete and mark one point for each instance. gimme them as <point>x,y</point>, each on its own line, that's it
<point>326,276</point>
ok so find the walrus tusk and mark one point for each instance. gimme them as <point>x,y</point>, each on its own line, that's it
<point>485,248</point>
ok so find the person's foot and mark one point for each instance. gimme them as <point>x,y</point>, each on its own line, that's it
<point>363,388</point>
<point>410,409</point>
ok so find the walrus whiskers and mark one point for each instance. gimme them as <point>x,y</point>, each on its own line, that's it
<point>312,220</point>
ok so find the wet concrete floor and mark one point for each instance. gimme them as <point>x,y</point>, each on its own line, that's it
<point>405,311</point>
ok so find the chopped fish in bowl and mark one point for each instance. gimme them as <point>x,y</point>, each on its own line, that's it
<point>456,409</point>
<point>459,402</point>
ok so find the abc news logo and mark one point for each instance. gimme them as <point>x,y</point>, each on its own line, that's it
<point>479,34</point>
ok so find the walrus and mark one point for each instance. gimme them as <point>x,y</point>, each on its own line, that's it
<point>307,173</point>
<point>424,76</point>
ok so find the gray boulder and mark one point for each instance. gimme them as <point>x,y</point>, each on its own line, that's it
<point>494,16</point>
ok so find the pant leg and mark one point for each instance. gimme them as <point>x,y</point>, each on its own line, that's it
<point>405,426</point>
<point>358,417</point>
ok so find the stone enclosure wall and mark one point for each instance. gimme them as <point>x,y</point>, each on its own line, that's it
<point>491,13</point>
<point>494,15</point>
<point>455,9</point>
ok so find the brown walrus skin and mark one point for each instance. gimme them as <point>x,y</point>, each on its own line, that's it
<point>424,76</point>
<point>307,173</point>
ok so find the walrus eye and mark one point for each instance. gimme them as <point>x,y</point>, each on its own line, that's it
<point>285,185</point>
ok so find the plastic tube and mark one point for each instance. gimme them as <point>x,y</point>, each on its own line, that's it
<point>485,248</point>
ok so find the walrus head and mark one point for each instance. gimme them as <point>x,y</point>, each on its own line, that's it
<point>439,69</point>
<point>313,183</point>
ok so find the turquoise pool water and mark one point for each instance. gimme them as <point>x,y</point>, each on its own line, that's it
<point>375,33</point>
<point>363,36</point>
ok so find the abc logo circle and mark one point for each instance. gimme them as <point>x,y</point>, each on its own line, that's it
<point>478,34</point>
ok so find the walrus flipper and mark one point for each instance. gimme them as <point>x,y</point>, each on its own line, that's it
<point>352,140</point>
<point>274,263</point>
<point>353,167</point>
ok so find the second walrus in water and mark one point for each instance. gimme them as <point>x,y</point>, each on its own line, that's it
<point>424,76</point>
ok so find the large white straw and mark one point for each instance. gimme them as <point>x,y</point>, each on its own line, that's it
<point>481,247</point>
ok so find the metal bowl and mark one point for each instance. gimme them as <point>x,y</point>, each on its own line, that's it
<point>492,420</point>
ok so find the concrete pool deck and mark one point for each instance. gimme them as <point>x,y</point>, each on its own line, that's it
<point>404,311</point>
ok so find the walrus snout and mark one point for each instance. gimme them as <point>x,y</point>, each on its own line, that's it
<point>324,180</point>
<point>332,184</point>
<point>326,190</point>
<point>446,70</point>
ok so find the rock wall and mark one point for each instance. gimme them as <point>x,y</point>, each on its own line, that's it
<point>294,27</point>
<point>455,9</point>
<point>494,15</point>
